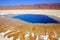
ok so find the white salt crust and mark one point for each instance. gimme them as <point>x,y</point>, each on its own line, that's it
<point>43,37</point>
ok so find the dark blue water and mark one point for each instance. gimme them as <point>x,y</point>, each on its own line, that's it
<point>33,18</point>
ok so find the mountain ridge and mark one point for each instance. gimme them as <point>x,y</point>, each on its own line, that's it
<point>35,6</point>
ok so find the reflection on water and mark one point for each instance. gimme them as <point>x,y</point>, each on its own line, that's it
<point>35,18</point>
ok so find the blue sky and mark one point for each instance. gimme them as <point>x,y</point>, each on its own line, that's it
<point>19,2</point>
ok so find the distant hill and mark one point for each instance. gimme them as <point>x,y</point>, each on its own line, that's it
<point>35,6</point>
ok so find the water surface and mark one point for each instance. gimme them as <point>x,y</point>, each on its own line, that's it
<point>35,18</point>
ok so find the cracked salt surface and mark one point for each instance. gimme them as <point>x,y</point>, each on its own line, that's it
<point>43,37</point>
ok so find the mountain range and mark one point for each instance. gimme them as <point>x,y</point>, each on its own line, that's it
<point>34,6</point>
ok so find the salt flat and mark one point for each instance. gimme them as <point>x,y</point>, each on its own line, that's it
<point>55,13</point>
<point>46,12</point>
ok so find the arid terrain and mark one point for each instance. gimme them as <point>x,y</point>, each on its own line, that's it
<point>20,28</point>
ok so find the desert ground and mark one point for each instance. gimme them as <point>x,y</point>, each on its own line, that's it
<point>20,27</point>
<point>45,12</point>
